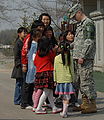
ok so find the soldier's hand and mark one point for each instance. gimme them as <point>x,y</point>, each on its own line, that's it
<point>80,61</point>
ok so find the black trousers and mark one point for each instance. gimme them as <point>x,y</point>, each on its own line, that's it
<point>27,91</point>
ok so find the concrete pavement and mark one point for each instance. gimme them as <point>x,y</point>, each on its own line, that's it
<point>10,111</point>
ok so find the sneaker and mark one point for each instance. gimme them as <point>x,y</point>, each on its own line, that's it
<point>56,110</point>
<point>29,107</point>
<point>40,111</point>
<point>63,115</point>
<point>34,109</point>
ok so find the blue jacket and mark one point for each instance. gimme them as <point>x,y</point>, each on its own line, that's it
<point>31,67</point>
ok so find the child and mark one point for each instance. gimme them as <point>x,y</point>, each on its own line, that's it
<point>69,35</point>
<point>64,75</point>
<point>48,32</point>
<point>17,70</point>
<point>26,99</point>
<point>44,74</point>
<point>35,37</point>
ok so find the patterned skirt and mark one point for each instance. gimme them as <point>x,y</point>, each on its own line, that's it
<point>64,89</point>
<point>44,80</point>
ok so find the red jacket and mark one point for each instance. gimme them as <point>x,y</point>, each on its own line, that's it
<point>25,50</point>
<point>44,63</point>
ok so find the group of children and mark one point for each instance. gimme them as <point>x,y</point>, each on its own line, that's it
<point>44,64</point>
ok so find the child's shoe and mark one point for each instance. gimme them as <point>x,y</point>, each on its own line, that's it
<point>29,107</point>
<point>34,109</point>
<point>41,111</point>
<point>63,115</point>
<point>56,110</point>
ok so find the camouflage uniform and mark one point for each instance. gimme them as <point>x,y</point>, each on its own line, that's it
<point>85,47</point>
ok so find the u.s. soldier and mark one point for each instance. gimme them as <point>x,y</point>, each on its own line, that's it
<point>83,54</point>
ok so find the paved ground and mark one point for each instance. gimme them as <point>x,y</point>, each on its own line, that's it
<point>10,111</point>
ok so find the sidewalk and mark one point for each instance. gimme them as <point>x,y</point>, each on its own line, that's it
<point>10,111</point>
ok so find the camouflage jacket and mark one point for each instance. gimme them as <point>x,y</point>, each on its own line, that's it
<point>85,42</point>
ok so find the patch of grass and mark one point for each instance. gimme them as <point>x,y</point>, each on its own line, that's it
<point>99,80</point>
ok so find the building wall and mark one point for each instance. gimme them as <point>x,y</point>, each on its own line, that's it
<point>89,6</point>
<point>99,59</point>
<point>96,7</point>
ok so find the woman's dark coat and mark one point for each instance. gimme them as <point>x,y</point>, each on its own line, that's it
<point>17,70</point>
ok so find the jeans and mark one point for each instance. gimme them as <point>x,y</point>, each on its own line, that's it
<point>18,90</point>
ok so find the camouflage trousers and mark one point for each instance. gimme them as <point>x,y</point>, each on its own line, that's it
<point>84,78</point>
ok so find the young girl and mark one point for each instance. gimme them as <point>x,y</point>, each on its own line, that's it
<point>35,37</point>
<point>27,101</point>
<point>64,74</point>
<point>48,32</point>
<point>17,70</point>
<point>44,75</point>
<point>69,35</point>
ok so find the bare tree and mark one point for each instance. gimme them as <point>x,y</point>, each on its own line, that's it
<point>56,8</point>
<point>6,9</point>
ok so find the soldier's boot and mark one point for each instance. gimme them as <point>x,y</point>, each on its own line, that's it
<point>93,105</point>
<point>88,107</point>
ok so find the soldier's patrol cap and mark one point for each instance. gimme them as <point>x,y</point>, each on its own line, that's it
<point>74,9</point>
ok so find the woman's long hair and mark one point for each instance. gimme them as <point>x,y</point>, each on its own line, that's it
<point>43,47</point>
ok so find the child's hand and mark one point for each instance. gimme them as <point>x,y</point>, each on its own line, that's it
<point>59,49</point>
<point>24,68</point>
<point>55,48</point>
<point>55,83</point>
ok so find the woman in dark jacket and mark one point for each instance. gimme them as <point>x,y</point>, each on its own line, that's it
<point>17,70</point>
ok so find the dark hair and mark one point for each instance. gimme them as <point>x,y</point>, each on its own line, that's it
<point>45,14</point>
<point>34,33</point>
<point>61,35</point>
<point>65,46</point>
<point>36,23</point>
<point>43,47</point>
<point>53,40</point>
<point>66,33</point>
<point>20,30</point>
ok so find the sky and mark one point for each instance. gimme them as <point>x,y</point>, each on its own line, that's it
<point>15,16</point>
